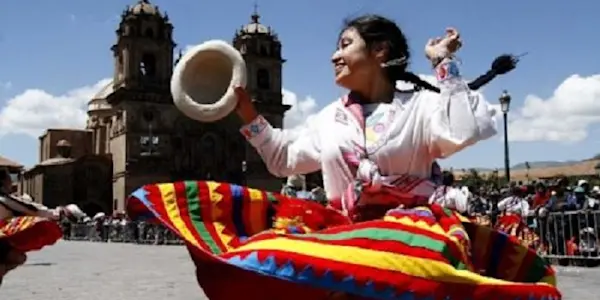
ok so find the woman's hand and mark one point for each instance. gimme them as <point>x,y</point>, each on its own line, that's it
<point>439,48</point>
<point>245,108</point>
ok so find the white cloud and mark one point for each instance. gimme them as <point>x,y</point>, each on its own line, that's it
<point>302,109</point>
<point>187,48</point>
<point>565,117</point>
<point>34,110</point>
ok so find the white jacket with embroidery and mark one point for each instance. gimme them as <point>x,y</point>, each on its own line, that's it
<point>425,126</point>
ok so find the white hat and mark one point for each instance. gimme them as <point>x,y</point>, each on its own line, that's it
<point>203,81</point>
<point>75,211</point>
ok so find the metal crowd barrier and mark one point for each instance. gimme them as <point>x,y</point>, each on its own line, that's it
<point>570,237</point>
<point>132,232</point>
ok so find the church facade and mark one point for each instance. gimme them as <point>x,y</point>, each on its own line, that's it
<point>143,138</point>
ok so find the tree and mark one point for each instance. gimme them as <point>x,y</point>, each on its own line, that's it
<point>473,179</point>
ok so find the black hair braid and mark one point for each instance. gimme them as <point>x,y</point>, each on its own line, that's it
<point>417,81</point>
<point>379,31</point>
<point>501,65</point>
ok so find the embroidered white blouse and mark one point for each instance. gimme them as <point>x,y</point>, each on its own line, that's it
<point>414,129</point>
<point>450,197</point>
<point>515,205</point>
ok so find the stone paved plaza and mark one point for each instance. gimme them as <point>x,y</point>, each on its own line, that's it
<point>97,271</point>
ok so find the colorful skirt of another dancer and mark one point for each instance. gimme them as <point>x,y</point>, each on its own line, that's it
<point>515,226</point>
<point>252,244</point>
<point>28,233</point>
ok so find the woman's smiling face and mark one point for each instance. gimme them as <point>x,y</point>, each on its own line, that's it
<point>353,63</point>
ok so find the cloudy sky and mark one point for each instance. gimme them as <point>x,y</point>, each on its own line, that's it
<point>55,56</point>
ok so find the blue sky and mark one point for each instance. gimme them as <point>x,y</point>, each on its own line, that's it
<point>59,46</point>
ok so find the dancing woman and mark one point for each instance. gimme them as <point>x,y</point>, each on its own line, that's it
<point>25,226</point>
<point>379,238</point>
<point>446,195</point>
<point>515,211</point>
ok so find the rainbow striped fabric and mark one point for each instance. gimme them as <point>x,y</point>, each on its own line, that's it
<point>420,253</point>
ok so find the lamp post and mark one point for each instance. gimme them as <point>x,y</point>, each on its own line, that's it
<point>496,178</point>
<point>505,106</point>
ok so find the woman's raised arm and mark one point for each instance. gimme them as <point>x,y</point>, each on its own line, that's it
<point>456,117</point>
<point>285,152</point>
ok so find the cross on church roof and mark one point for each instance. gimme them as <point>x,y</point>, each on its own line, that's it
<point>255,15</point>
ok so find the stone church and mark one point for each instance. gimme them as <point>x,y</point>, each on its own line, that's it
<point>135,135</point>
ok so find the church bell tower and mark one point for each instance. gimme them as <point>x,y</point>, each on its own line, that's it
<point>143,53</point>
<point>261,49</point>
<point>140,99</point>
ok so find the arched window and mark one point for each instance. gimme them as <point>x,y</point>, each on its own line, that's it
<point>263,79</point>
<point>148,65</point>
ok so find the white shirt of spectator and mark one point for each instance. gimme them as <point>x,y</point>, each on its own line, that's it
<point>451,198</point>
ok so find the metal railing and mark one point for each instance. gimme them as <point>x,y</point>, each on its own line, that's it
<point>570,237</point>
<point>565,238</point>
<point>131,232</point>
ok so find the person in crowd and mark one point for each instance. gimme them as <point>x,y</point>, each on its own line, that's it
<point>375,147</point>
<point>294,185</point>
<point>594,202</point>
<point>584,184</point>
<point>448,196</point>
<point>516,204</point>
<point>541,196</point>
<point>318,195</point>
<point>561,199</point>
<point>479,208</point>
<point>516,215</point>
<point>583,199</point>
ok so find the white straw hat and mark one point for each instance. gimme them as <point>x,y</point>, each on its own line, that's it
<point>203,81</point>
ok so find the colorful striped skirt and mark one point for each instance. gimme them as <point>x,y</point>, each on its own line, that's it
<point>28,233</point>
<point>251,244</point>
<point>515,226</point>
